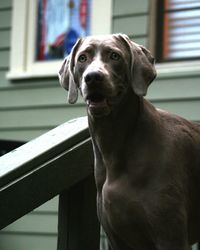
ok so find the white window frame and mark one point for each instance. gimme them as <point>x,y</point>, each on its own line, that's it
<point>165,69</point>
<point>22,59</point>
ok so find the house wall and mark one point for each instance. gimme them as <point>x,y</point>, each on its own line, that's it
<point>28,108</point>
<point>35,231</point>
<point>176,92</point>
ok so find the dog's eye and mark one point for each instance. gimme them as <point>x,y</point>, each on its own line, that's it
<point>82,58</point>
<point>115,56</point>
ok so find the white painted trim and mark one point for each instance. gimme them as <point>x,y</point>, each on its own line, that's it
<point>101,17</point>
<point>18,36</point>
<point>23,63</point>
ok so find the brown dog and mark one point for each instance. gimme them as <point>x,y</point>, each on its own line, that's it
<point>147,161</point>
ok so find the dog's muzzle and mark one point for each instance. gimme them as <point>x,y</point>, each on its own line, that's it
<point>96,94</point>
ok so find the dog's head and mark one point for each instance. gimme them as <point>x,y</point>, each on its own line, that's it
<point>104,68</point>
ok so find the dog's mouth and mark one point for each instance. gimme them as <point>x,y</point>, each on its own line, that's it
<point>96,100</point>
<point>97,104</point>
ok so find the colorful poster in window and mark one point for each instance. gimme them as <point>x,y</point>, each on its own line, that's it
<point>59,24</point>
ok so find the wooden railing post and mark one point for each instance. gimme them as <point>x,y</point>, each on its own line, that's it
<point>78,226</point>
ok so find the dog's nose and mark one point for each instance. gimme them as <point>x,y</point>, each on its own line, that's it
<point>94,76</point>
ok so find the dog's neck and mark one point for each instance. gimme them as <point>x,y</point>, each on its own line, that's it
<point>109,133</point>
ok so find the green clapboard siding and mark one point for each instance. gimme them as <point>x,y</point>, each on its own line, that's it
<point>4,55</point>
<point>5,4</point>
<point>49,207</point>
<point>24,134</point>
<point>131,25</point>
<point>189,109</point>
<point>34,223</point>
<point>27,241</point>
<point>42,117</point>
<point>180,95</point>
<point>5,39</point>
<point>5,18</point>
<point>129,7</point>
<point>3,81</point>
<point>32,96</point>
<point>174,88</point>
<point>140,40</point>
<point>37,230</point>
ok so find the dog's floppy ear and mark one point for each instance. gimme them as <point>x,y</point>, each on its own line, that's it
<point>142,70</point>
<point>66,74</point>
<point>142,66</point>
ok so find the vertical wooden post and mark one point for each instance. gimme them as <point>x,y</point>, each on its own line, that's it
<point>78,226</point>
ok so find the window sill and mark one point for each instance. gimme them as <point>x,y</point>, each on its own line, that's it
<point>164,70</point>
<point>178,69</point>
<point>29,75</point>
<point>46,69</point>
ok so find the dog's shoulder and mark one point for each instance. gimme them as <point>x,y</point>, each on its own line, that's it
<point>180,127</point>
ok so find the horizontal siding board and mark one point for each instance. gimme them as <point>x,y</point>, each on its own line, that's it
<point>29,242</point>
<point>48,207</point>
<point>22,135</point>
<point>5,39</point>
<point>3,81</point>
<point>51,116</point>
<point>140,40</point>
<point>33,97</point>
<point>5,56</point>
<point>131,25</point>
<point>129,7</point>
<point>165,88</point>
<point>174,88</point>
<point>5,19</point>
<point>5,4</point>
<point>177,95</point>
<point>189,109</point>
<point>32,83</point>
<point>34,223</point>
<point>35,82</point>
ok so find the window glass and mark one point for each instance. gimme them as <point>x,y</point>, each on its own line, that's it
<point>59,24</point>
<point>180,34</point>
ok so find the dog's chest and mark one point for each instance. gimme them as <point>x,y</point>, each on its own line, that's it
<point>123,210</point>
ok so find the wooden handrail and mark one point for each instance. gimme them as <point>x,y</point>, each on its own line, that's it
<point>58,162</point>
<point>43,168</point>
<point>41,149</point>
